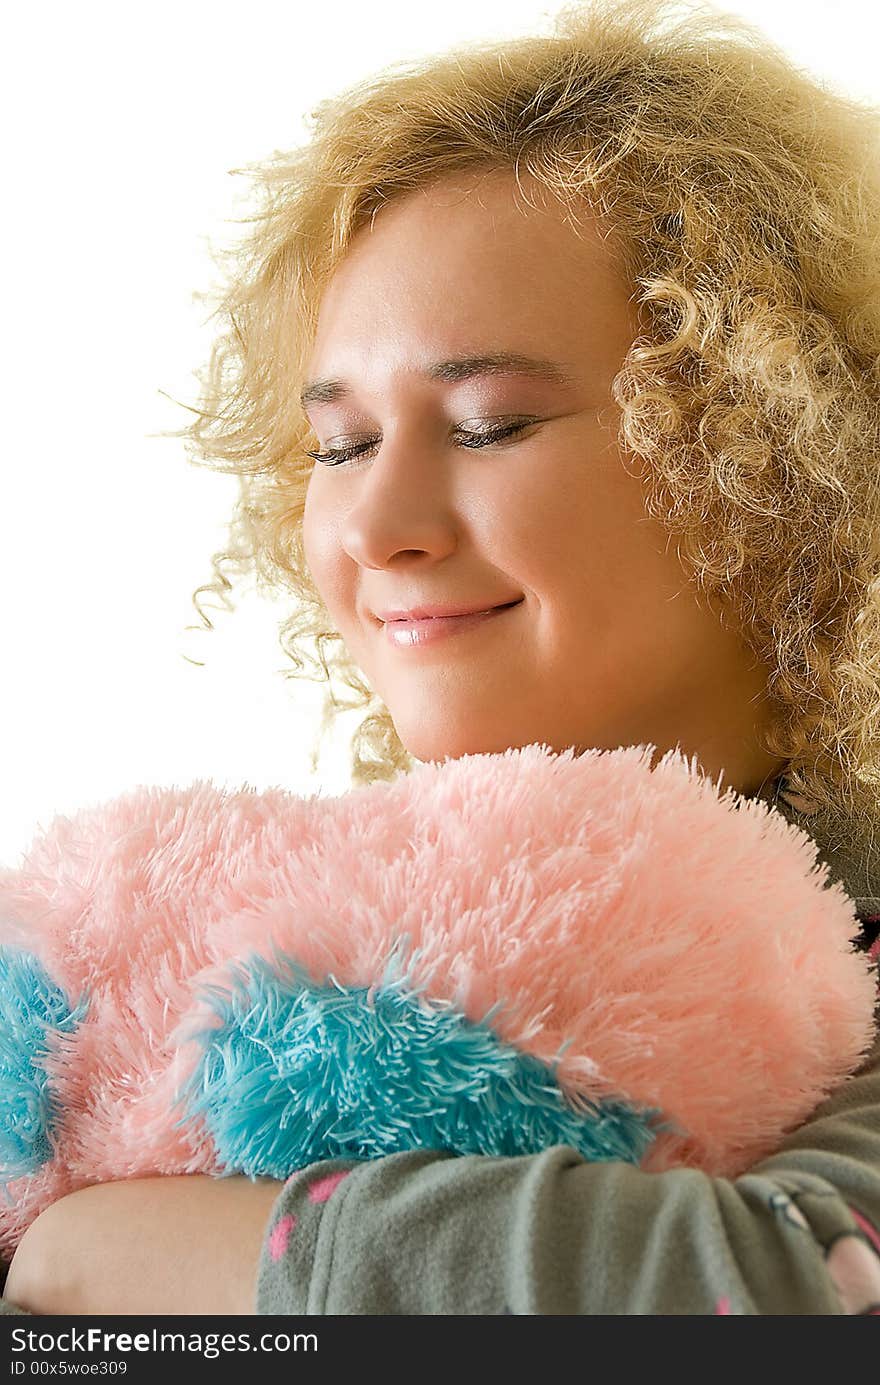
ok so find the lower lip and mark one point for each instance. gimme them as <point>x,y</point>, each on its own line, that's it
<point>409,633</point>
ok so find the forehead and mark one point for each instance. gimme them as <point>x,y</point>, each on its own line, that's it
<point>469,263</point>
<point>487,226</point>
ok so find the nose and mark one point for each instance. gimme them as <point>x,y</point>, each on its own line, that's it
<point>402,505</point>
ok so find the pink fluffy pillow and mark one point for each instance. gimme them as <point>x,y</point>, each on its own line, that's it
<point>643,938</point>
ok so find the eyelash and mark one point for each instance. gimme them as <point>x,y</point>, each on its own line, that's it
<point>336,456</point>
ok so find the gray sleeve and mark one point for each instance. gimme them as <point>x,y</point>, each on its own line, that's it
<point>429,1232</point>
<point>6,1306</point>
<point>10,1308</point>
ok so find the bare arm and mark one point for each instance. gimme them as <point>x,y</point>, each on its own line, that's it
<point>176,1245</point>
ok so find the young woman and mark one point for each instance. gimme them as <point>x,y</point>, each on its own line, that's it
<point>579,334</point>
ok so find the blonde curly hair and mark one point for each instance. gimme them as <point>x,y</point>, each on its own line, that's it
<point>745,200</point>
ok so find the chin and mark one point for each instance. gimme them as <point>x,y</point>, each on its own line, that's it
<point>451,744</point>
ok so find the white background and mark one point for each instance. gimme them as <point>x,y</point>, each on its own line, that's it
<point>121,124</point>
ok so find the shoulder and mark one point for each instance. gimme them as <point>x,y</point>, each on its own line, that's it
<point>858,871</point>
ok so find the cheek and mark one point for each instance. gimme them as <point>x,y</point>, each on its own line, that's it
<point>330,567</point>
<point>551,541</point>
<point>319,540</point>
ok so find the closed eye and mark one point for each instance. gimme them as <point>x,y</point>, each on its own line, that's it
<point>468,438</point>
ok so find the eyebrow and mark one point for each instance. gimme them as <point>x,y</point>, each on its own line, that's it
<point>454,369</point>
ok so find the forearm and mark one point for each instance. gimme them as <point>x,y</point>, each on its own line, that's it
<point>165,1245</point>
<point>420,1233</point>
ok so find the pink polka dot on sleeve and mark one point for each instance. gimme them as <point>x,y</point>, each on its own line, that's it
<point>280,1236</point>
<point>320,1190</point>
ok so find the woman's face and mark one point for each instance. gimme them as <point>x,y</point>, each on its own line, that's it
<point>606,644</point>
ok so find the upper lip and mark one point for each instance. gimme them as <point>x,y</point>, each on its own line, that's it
<point>434,612</point>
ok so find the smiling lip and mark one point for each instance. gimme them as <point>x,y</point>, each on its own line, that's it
<point>418,613</point>
<point>415,633</point>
